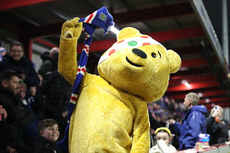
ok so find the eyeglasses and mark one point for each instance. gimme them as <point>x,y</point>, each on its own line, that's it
<point>16,51</point>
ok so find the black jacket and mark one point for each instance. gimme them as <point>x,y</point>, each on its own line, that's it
<point>218,131</point>
<point>11,129</point>
<point>44,146</point>
<point>18,117</point>
<point>16,114</point>
<point>57,92</point>
<point>11,135</point>
<point>24,66</point>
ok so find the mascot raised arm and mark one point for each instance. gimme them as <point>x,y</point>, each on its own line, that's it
<point>111,114</point>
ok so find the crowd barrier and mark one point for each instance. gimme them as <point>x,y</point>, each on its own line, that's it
<point>223,148</point>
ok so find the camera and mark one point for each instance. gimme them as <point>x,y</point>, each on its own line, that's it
<point>216,108</point>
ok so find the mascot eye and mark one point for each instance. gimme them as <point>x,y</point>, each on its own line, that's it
<point>159,53</point>
<point>132,43</point>
<point>154,55</point>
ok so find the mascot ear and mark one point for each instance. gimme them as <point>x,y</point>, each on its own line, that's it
<point>174,60</point>
<point>128,32</point>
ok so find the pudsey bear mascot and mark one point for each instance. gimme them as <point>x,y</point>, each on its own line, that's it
<point>111,114</point>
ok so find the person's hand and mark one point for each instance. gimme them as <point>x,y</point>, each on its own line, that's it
<point>11,150</point>
<point>22,76</point>
<point>215,113</point>
<point>3,112</point>
<point>171,121</point>
<point>64,114</point>
<point>33,91</point>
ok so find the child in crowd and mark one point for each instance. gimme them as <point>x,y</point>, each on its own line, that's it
<point>163,139</point>
<point>216,127</point>
<point>49,133</point>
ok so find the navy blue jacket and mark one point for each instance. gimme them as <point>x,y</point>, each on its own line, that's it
<point>24,66</point>
<point>193,124</point>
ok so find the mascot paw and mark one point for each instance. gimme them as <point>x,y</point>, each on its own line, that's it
<point>72,28</point>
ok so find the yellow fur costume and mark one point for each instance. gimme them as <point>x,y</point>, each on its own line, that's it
<point>111,113</point>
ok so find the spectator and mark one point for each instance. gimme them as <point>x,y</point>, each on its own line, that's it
<point>15,60</point>
<point>17,117</point>
<point>193,124</point>
<point>49,133</point>
<point>216,127</point>
<point>57,92</point>
<point>163,139</point>
<point>154,124</point>
<point>30,130</point>
<point>49,61</point>
<point>9,82</point>
<point>2,53</point>
<point>46,64</point>
<point>162,110</point>
<point>36,102</point>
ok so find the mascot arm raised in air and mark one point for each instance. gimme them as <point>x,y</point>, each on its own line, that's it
<point>67,62</point>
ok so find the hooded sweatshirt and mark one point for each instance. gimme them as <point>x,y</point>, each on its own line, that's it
<point>193,124</point>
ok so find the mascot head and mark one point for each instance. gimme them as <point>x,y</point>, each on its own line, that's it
<point>139,65</point>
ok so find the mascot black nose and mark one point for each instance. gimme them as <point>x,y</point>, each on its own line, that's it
<point>139,52</point>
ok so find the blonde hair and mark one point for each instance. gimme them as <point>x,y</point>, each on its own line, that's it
<point>217,107</point>
<point>194,97</point>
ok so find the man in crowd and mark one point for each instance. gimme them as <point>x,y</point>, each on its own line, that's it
<point>15,60</point>
<point>49,61</point>
<point>193,123</point>
<point>17,117</point>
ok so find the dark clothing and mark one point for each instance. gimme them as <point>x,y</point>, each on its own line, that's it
<point>44,146</point>
<point>8,100</point>
<point>193,124</point>
<point>36,104</point>
<point>218,131</point>
<point>11,135</point>
<point>24,66</point>
<point>4,138</point>
<point>154,124</point>
<point>16,114</point>
<point>18,117</point>
<point>57,92</point>
<point>46,66</point>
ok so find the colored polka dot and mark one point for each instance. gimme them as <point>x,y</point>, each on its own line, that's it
<point>146,43</point>
<point>144,36</point>
<point>120,41</point>
<point>111,52</point>
<point>132,43</point>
